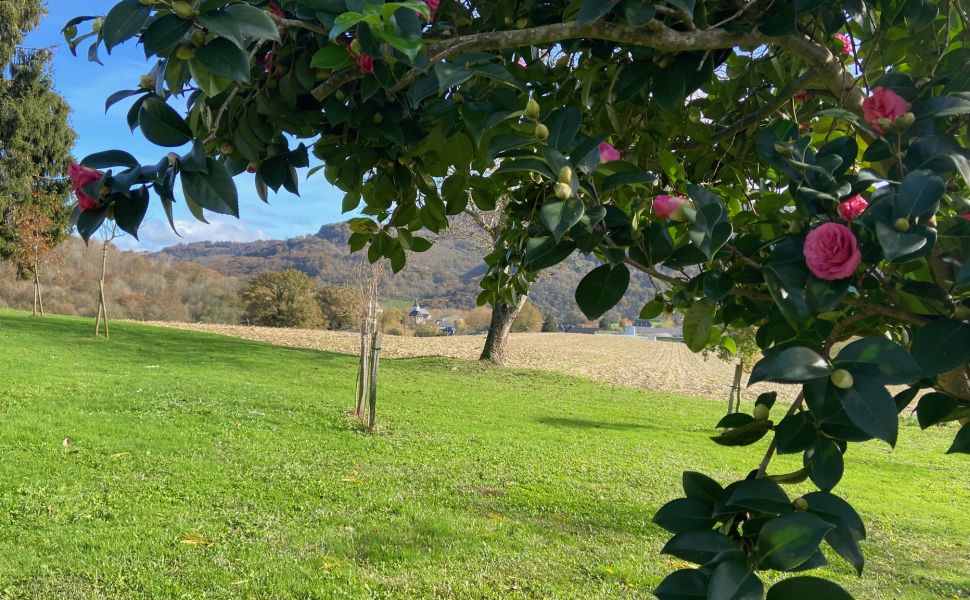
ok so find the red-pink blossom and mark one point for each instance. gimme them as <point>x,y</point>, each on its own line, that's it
<point>276,10</point>
<point>80,177</point>
<point>883,104</point>
<point>608,153</point>
<point>846,42</point>
<point>832,252</point>
<point>366,63</point>
<point>670,207</point>
<point>432,8</point>
<point>853,207</point>
<point>803,96</point>
<point>966,216</point>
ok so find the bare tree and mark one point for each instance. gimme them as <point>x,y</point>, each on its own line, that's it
<point>108,235</point>
<point>369,279</point>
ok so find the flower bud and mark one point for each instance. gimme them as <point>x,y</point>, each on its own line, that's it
<point>800,504</point>
<point>563,191</point>
<point>185,53</point>
<point>542,132</point>
<point>97,24</point>
<point>761,412</point>
<point>901,224</point>
<point>146,82</point>
<point>378,117</point>
<point>226,148</point>
<point>532,109</point>
<point>905,121</point>
<point>173,158</point>
<point>183,9</point>
<point>842,379</point>
<point>355,46</point>
<point>796,227</point>
<point>198,38</point>
<point>522,23</point>
<point>962,312</point>
<point>70,32</point>
<point>783,149</point>
<point>884,123</point>
<point>252,168</point>
<point>566,175</point>
<point>148,2</point>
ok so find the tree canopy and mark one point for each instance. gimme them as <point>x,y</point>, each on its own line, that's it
<point>798,167</point>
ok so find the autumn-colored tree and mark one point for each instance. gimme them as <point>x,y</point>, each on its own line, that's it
<point>282,299</point>
<point>392,321</point>
<point>33,246</point>
<point>528,319</point>
<point>550,324</point>
<point>340,306</point>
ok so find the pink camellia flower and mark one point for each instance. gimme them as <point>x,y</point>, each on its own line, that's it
<point>803,96</point>
<point>883,104</point>
<point>846,43</point>
<point>521,62</point>
<point>670,207</point>
<point>80,177</point>
<point>366,63</point>
<point>608,153</point>
<point>432,7</point>
<point>853,207</point>
<point>831,252</point>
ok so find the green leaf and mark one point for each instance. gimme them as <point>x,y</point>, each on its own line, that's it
<point>698,546</point>
<point>684,514</point>
<point>717,285</point>
<point>942,106</point>
<point>123,21</point>
<point>744,435</point>
<point>941,346</point>
<point>253,23</point>
<point>871,408</point>
<point>214,190</point>
<point>330,57</point>
<point>222,24</point>
<point>163,34</point>
<point>161,124</point>
<point>559,216</point>
<point>807,588</point>
<point>937,407</point>
<point>544,252</point>
<point>791,365</point>
<point>130,212</point>
<point>879,358</point>
<point>224,59</point>
<point>761,495</point>
<point>685,5</point>
<point>795,433</point>
<point>683,584</point>
<point>652,309</point>
<point>593,10</point>
<point>563,126</point>
<point>918,195</point>
<point>701,487</point>
<point>826,464</point>
<point>787,541</point>
<point>601,289</point>
<point>961,443</point>
<point>697,325</point>
<point>824,296</point>
<point>110,158</point>
<point>710,229</point>
<point>344,22</point>
<point>733,580</point>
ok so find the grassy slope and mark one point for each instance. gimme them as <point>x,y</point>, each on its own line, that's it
<point>180,437</point>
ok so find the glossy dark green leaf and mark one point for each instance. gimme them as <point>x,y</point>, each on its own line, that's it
<point>601,289</point>
<point>937,407</point>
<point>791,365</point>
<point>123,21</point>
<point>683,584</point>
<point>592,10</point>
<point>744,435</point>
<point>109,159</point>
<point>698,546</point>
<point>563,126</point>
<point>684,514</point>
<point>941,346</point>
<point>330,57</point>
<point>224,25</point>
<point>871,408</point>
<point>789,540</point>
<point>733,580</point>
<point>961,443</point>
<point>560,215</point>
<point>795,433</point>
<point>878,358</point>
<point>224,59</point>
<point>761,495</point>
<point>652,309</point>
<point>163,34</point>
<point>807,588</point>
<point>717,285</point>
<point>161,124</point>
<point>823,296</point>
<point>544,252</point>
<point>825,463</point>
<point>701,487</point>
<point>733,420</point>
<point>130,212</point>
<point>918,195</point>
<point>214,191</point>
<point>253,22</point>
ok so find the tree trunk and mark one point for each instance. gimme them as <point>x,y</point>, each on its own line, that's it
<point>39,298</point>
<point>102,301</point>
<point>503,315</point>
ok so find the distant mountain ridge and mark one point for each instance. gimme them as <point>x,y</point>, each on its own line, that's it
<point>446,276</point>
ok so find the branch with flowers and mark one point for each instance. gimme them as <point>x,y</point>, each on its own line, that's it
<point>798,168</point>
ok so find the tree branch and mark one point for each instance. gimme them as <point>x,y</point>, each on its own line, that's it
<point>763,468</point>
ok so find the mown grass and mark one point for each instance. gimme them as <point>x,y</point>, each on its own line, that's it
<point>200,466</point>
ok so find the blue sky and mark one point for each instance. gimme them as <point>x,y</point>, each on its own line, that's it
<point>86,85</point>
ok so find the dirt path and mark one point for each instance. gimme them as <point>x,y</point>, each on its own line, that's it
<point>632,362</point>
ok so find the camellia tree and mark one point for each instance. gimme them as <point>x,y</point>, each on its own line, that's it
<point>798,167</point>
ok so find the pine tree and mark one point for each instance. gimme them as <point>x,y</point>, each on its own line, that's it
<point>35,134</point>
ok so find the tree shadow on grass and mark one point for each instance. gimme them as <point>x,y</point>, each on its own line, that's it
<point>589,424</point>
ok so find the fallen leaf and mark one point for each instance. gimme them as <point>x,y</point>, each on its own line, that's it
<point>351,479</point>
<point>120,454</point>
<point>194,540</point>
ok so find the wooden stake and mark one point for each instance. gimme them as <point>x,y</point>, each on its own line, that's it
<point>374,366</point>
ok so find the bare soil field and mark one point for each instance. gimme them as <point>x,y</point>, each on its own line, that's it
<point>630,362</point>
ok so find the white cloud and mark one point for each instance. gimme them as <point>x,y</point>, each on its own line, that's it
<point>156,233</point>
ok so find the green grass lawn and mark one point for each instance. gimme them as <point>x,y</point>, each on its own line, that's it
<point>206,467</point>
